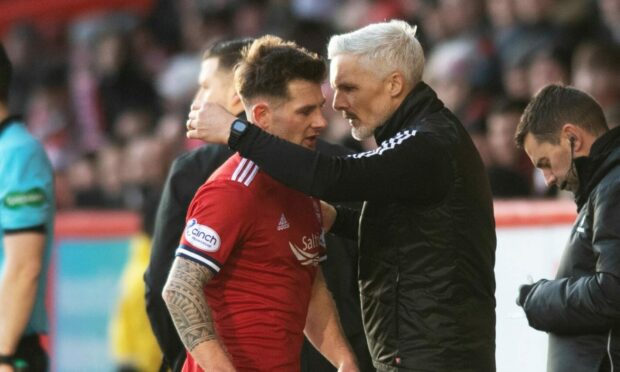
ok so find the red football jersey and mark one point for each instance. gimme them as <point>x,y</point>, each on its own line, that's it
<point>264,241</point>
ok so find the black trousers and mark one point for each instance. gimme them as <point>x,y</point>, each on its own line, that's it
<point>30,350</point>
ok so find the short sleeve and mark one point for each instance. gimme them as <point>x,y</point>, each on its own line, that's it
<point>26,188</point>
<point>218,219</point>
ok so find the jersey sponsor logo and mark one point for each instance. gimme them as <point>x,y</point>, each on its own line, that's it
<point>283,224</point>
<point>201,236</point>
<point>30,198</point>
<point>308,254</point>
<point>388,144</point>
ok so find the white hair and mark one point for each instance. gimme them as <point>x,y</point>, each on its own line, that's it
<point>384,47</point>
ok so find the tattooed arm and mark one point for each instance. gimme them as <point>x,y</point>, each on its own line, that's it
<point>185,299</point>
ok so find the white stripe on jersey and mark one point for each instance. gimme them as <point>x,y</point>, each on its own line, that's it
<point>245,172</point>
<point>246,169</point>
<point>239,168</point>
<point>251,176</point>
<point>387,144</point>
<point>188,253</point>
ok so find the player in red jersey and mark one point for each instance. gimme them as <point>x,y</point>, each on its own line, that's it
<point>245,285</point>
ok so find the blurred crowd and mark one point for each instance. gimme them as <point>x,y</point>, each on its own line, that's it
<point>108,93</point>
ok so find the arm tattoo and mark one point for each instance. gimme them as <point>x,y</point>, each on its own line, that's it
<point>186,302</point>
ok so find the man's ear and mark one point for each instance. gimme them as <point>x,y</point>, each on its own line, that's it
<point>261,115</point>
<point>395,83</point>
<point>573,135</point>
<point>234,102</point>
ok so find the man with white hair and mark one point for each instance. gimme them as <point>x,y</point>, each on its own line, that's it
<point>426,232</point>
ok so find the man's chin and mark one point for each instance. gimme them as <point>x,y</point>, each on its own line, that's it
<point>570,187</point>
<point>361,133</point>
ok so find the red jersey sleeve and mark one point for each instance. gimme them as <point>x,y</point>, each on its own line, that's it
<point>218,219</point>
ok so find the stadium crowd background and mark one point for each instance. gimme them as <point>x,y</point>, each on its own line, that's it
<point>107,87</point>
<point>107,92</point>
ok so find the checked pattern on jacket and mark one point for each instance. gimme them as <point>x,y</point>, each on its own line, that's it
<point>388,144</point>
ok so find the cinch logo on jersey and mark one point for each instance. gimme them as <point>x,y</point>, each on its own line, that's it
<point>201,236</point>
<point>311,243</point>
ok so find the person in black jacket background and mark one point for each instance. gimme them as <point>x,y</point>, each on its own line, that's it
<point>188,172</point>
<point>426,232</point>
<point>565,134</point>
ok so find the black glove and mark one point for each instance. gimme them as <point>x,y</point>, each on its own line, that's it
<point>524,290</point>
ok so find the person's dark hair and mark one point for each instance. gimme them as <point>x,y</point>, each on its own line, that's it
<point>228,52</point>
<point>6,72</point>
<point>270,64</point>
<point>554,106</point>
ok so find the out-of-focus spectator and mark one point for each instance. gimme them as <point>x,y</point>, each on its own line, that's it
<point>610,15</point>
<point>121,85</point>
<point>82,178</point>
<point>171,132</point>
<point>144,167</point>
<point>547,66</point>
<point>132,123</point>
<point>514,79</point>
<point>50,117</point>
<point>109,162</point>
<point>450,71</point>
<point>509,171</point>
<point>176,84</point>
<point>596,71</point>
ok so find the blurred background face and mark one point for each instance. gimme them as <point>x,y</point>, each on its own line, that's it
<point>501,129</point>
<point>360,95</point>
<point>610,11</point>
<point>215,84</point>
<point>501,12</point>
<point>298,119</point>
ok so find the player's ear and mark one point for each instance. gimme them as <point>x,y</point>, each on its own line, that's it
<point>261,115</point>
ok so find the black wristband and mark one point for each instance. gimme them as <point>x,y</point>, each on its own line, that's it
<point>238,128</point>
<point>7,359</point>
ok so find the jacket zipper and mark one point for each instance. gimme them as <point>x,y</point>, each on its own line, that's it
<point>611,361</point>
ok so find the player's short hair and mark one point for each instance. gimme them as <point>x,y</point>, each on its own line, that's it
<point>269,64</point>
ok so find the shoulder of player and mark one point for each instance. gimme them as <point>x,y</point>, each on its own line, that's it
<point>207,157</point>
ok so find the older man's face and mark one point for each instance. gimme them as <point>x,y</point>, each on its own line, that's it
<point>360,95</point>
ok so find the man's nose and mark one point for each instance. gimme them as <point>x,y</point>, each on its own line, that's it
<point>550,179</point>
<point>339,102</point>
<point>319,122</point>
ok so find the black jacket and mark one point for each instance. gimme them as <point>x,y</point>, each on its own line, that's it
<point>426,233</point>
<point>581,308</point>
<point>188,172</point>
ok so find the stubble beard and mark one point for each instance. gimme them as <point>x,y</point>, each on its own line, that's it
<point>361,133</point>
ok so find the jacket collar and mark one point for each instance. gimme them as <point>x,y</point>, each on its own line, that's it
<point>604,155</point>
<point>8,120</point>
<point>417,104</point>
